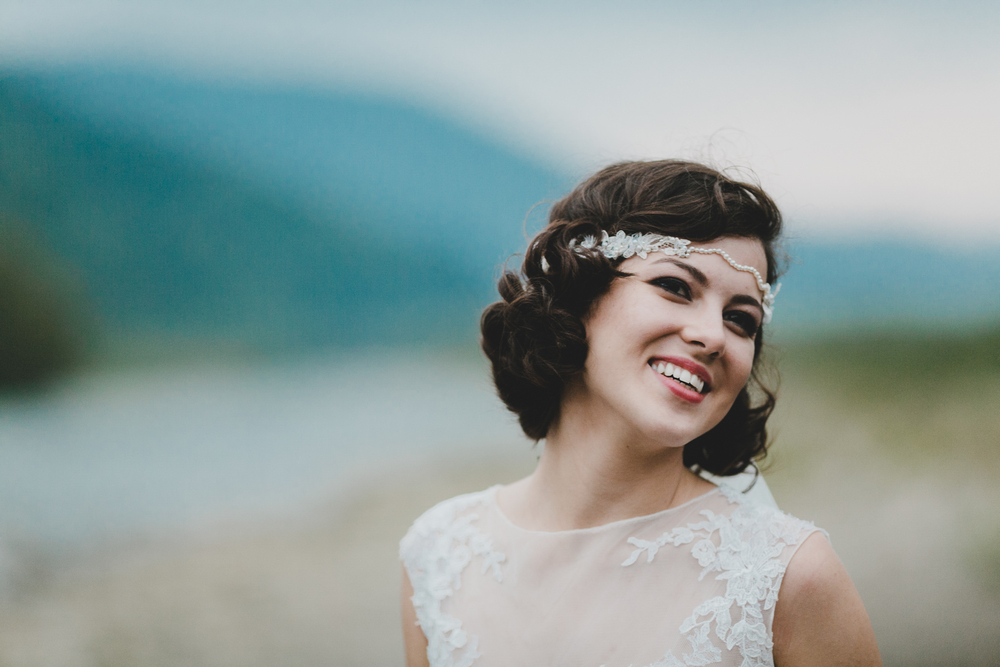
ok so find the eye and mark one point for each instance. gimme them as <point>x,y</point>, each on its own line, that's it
<point>744,321</point>
<point>674,286</point>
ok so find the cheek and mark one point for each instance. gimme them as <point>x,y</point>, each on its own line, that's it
<point>742,365</point>
<point>613,320</point>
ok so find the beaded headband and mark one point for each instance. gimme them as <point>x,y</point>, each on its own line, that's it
<point>622,246</point>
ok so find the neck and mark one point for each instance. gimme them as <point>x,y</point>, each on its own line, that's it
<point>591,473</point>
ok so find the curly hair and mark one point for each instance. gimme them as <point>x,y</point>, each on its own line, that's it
<point>535,337</point>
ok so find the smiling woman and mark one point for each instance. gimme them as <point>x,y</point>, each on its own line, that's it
<point>694,315</point>
<point>629,344</point>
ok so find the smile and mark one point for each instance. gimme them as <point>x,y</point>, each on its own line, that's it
<point>683,376</point>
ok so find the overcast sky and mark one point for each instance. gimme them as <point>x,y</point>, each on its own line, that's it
<point>859,117</point>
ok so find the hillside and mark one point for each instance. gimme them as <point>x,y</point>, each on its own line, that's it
<point>176,244</point>
<point>251,218</point>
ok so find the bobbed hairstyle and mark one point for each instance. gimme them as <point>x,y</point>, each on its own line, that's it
<point>535,337</point>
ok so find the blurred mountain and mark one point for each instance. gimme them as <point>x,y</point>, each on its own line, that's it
<point>196,214</point>
<point>206,214</point>
<point>889,284</point>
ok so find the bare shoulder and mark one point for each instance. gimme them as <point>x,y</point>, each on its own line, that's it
<point>819,619</point>
<point>414,641</point>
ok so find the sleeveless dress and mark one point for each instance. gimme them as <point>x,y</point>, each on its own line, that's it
<point>695,584</point>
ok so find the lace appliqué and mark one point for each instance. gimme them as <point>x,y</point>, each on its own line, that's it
<point>744,549</point>
<point>435,551</point>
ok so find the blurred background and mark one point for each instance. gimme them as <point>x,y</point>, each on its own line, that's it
<point>244,247</point>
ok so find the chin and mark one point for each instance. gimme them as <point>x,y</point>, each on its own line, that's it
<point>671,435</point>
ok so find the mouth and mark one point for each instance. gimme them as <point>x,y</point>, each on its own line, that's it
<point>681,375</point>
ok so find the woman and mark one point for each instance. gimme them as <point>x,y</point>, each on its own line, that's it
<point>629,344</point>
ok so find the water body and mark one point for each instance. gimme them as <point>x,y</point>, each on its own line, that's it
<point>112,454</point>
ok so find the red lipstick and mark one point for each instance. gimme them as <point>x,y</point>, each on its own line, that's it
<point>678,388</point>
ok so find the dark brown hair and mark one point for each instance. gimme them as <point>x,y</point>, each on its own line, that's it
<point>535,337</point>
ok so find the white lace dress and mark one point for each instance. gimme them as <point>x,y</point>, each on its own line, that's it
<point>692,585</point>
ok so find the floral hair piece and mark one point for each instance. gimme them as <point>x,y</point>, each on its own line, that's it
<point>623,246</point>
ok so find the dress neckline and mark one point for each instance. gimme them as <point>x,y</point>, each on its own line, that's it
<point>491,500</point>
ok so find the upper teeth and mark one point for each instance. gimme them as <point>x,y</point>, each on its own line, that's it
<point>678,373</point>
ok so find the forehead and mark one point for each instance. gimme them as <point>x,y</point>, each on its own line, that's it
<point>745,251</point>
<point>732,271</point>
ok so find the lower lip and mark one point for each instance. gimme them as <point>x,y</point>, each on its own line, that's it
<point>680,390</point>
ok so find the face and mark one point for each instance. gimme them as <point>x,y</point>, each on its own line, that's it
<point>672,345</point>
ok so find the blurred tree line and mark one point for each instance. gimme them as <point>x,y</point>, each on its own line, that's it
<point>44,327</point>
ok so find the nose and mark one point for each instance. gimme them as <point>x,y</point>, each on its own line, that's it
<point>706,331</point>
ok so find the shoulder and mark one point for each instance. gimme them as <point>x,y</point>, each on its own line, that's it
<point>814,576</point>
<point>439,522</point>
<point>819,618</point>
<point>435,551</point>
<point>814,568</point>
<point>773,537</point>
<point>765,522</point>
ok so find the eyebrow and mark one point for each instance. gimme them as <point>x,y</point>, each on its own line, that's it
<point>702,279</point>
<point>698,276</point>
<point>747,300</point>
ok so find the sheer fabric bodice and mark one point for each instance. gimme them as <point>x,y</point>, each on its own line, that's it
<point>692,585</point>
